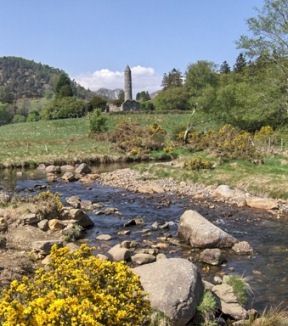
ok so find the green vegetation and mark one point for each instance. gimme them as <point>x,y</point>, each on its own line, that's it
<point>207,309</point>
<point>98,123</point>
<point>76,289</point>
<point>241,288</point>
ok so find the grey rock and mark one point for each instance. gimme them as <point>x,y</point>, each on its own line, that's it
<point>212,256</point>
<point>134,221</point>
<point>242,248</point>
<point>30,219</point>
<point>74,201</point>
<point>53,169</point>
<point>104,237</point>
<point>4,197</point>
<point>141,259</point>
<point>174,287</point>
<point>43,225</point>
<point>44,246</point>
<point>77,214</point>
<point>69,177</point>
<point>124,232</point>
<point>3,242</point>
<point>87,205</point>
<point>200,233</point>
<point>117,253</point>
<point>3,224</point>
<point>83,168</point>
<point>128,244</point>
<point>67,168</point>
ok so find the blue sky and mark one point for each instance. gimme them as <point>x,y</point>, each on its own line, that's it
<point>93,40</point>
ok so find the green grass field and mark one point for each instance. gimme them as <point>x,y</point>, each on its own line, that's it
<point>45,141</point>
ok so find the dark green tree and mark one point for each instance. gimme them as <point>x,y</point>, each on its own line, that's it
<point>64,86</point>
<point>174,98</point>
<point>225,68</point>
<point>97,102</point>
<point>240,63</point>
<point>143,96</point>
<point>173,79</point>
<point>200,75</point>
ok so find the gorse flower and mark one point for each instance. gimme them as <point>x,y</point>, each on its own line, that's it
<point>77,289</point>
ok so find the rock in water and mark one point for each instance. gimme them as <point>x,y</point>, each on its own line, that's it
<point>83,168</point>
<point>212,256</point>
<point>201,233</point>
<point>174,287</point>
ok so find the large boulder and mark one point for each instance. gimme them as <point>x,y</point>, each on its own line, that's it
<point>174,287</point>
<point>201,233</point>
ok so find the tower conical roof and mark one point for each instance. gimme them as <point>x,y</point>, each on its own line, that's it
<point>127,68</point>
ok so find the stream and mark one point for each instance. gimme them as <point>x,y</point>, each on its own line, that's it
<point>266,270</point>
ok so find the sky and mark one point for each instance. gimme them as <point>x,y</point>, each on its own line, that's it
<point>93,40</point>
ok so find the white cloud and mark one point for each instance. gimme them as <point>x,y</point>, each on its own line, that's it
<point>143,78</point>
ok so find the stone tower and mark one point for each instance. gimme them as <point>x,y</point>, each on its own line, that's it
<point>128,84</point>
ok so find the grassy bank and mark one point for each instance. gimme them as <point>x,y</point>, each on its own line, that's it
<point>45,141</point>
<point>269,179</point>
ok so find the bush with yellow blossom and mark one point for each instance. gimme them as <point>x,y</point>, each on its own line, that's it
<point>76,289</point>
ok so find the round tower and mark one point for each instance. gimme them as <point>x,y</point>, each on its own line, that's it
<point>127,83</point>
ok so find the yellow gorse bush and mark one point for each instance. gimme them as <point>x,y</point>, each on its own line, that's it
<point>76,289</point>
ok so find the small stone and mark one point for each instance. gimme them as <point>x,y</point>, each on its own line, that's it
<point>117,253</point>
<point>87,205</point>
<point>74,201</point>
<point>43,225</point>
<point>124,232</point>
<point>141,259</point>
<point>212,257</point>
<point>77,214</point>
<point>3,242</point>
<point>83,169</point>
<point>104,237</point>
<point>3,224</point>
<point>262,203</point>
<point>242,248</point>
<point>30,219</point>
<point>161,245</point>
<point>51,177</point>
<point>44,246</point>
<point>55,225</point>
<point>67,168</point>
<point>217,279</point>
<point>69,176</point>
<point>129,244</point>
<point>53,169</point>
<point>134,221</point>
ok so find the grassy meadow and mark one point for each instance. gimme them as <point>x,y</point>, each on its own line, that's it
<point>67,139</point>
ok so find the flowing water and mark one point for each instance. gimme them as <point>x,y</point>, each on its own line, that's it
<point>266,270</point>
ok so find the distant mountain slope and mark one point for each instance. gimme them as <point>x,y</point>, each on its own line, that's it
<point>22,78</point>
<point>109,94</point>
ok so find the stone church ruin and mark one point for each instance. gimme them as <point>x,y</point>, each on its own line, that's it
<point>129,104</point>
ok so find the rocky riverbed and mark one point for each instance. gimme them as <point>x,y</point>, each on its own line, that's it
<point>137,219</point>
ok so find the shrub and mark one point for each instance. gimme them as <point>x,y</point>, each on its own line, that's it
<point>33,116</point>
<point>132,138</point>
<point>18,118</point>
<point>197,163</point>
<point>97,122</point>
<point>77,289</point>
<point>63,108</point>
<point>50,199</point>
